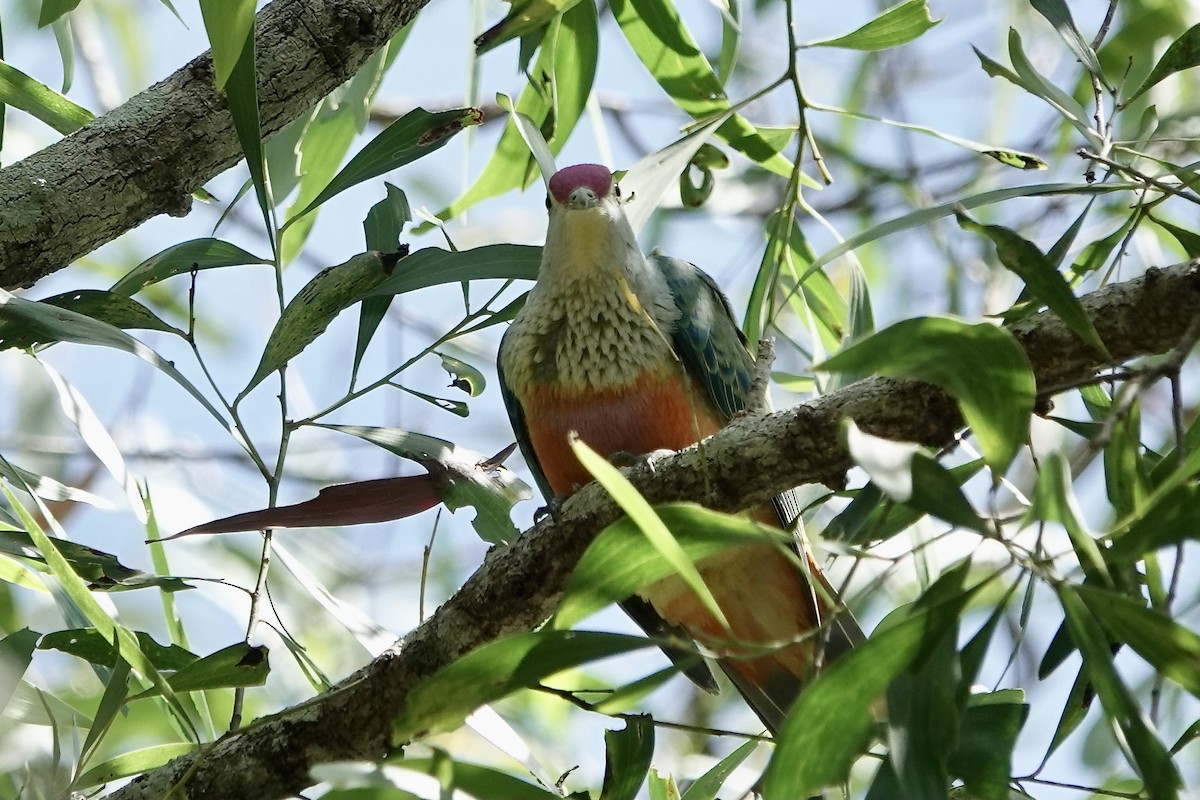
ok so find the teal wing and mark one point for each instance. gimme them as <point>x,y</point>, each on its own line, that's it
<point>685,658</point>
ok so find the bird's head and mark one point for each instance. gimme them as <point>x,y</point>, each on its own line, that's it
<point>588,227</point>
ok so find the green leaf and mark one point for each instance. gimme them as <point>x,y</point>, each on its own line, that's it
<point>1170,648</point>
<point>478,780</point>
<point>1029,79</point>
<point>622,559</point>
<point>981,365</point>
<point>1054,501</point>
<point>627,758</point>
<point>1058,14</point>
<point>938,491</point>
<point>235,666</point>
<point>181,259</point>
<point>382,228</point>
<point>409,138</point>
<point>456,407</point>
<point>1145,751</point>
<point>1021,257</point>
<point>230,25</point>
<point>103,570</point>
<point>48,488</point>
<point>116,691</point>
<point>433,266</point>
<point>982,757</point>
<point>465,377</point>
<point>53,9</point>
<point>90,645</point>
<point>707,785</point>
<point>1183,54</point>
<point>565,71</point>
<point>650,524</point>
<point>241,94</point>
<point>832,720</point>
<point>16,652</point>
<point>924,216</point>
<point>523,18</point>
<point>498,669</point>
<point>662,42</point>
<point>899,25</point>
<point>107,307</point>
<point>1172,520</point>
<point>133,763</point>
<point>40,101</point>
<point>309,313</point>
<point>1188,240</point>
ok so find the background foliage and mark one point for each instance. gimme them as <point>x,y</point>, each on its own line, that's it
<point>893,178</point>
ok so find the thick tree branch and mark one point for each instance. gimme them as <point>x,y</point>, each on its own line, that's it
<point>145,157</point>
<point>519,586</point>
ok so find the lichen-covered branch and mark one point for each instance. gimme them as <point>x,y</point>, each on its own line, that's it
<point>148,155</point>
<point>518,587</point>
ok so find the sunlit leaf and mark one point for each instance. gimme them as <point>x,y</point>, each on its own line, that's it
<point>1021,257</point>
<point>229,24</point>
<point>899,25</point>
<point>433,266</point>
<point>479,780</point>
<point>465,377</point>
<point>1170,648</point>
<point>90,645</point>
<point>16,652</point>
<point>523,17</point>
<point>1058,14</point>
<point>53,9</point>
<point>40,101</point>
<point>181,259</point>
<point>309,313</point>
<point>622,559</point>
<point>132,763</point>
<point>1183,54</point>
<point>413,136</point>
<point>102,570</point>
<point>709,784</point>
<point>981,365</point>
<point>498,669</point>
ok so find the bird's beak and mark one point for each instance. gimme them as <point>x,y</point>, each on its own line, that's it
<point>582,197</point>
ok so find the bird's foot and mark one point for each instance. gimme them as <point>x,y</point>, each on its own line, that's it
<point>552,510</point>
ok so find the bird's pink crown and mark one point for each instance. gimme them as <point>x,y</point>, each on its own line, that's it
<point>594,176</point>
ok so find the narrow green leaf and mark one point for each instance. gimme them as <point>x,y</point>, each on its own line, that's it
<point>1183,54</point>
<point>1021,257</point>
<point>1188,240</point>
<point>566,70</point>
<point>181,259</point>
<point>523,18</point>
<point>433,266</point>
<point>707,785</point>
<point>1146,753</point>
<point>1172,520</point>
<point>627,758</point>
<point>16,653</point>
<point>241,94</point>
<point>40,101</point>
<point>65,40</point>
<point>982,757</point>
<point>832,721</point>
<point>731,37</point>
<point>107,307</point>
<point>409,138</point>
<point>90,645</point>
<point>66,326</point>
<point>53,9</point>
<point>898,25</point>
<point>499,669</point>
<point>622,560</point>
<point>48,488</point>
<point>238,665</point>
<point>1170,648</point>
<point>456,407</point>
<point>923,719</point>
<point>132,763</point>
<point>230,24</point>
<point>638,510</point>
<point>1058,14</point>
<point>664,45</point>
<point>309,313</point>
<point>382,228</point>
<point>937,491</point>
<point>1054,501</point>
<point>116,690</point>
<point>924,216</point>
<point>478,780</point>
<point>981,365</point>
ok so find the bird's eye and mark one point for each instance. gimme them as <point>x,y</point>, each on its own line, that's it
<point>547,202</point>
<point>617,191</point>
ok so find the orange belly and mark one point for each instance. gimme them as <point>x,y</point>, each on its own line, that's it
<point>660,411</point>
